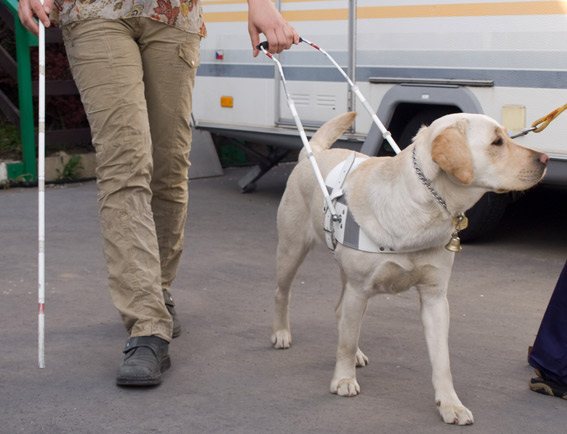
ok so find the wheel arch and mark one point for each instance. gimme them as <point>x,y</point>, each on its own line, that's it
<point>401,102</point>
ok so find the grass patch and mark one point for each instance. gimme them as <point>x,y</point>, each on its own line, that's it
<point>70,169</point>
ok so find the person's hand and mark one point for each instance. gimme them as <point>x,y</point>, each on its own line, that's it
<point>28,9</point>
<point>263,17</point>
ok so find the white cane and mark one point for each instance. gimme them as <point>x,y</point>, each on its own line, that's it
<point>41,199</point>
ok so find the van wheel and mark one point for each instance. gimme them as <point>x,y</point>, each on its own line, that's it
<point>485,215</point>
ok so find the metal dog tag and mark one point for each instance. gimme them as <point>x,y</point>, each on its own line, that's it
<point>460,222</point>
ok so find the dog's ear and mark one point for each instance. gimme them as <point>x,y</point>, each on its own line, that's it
<point>331,131</point>
<point>450,150</point>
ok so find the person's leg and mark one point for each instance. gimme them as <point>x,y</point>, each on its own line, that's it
<point>107,67</point>
<point>549,353</point>
<point>170,58</point>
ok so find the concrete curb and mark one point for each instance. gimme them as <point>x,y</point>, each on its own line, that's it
<point>11,170</point>
<point>204,159</point>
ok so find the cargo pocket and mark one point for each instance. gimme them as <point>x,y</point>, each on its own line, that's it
<point>190,54</point>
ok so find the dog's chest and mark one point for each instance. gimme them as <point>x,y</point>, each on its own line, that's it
<point>396,279</point>
<point>392,278</point>
<point>392,274</point>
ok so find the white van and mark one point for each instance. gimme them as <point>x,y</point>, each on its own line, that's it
<point>413,60</point>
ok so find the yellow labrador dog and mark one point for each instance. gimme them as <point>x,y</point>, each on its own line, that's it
<point>406,205</point>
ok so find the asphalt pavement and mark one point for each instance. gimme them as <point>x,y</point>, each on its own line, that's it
<point>225,377</point>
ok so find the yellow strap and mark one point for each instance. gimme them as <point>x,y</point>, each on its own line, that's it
<point>545,120</point>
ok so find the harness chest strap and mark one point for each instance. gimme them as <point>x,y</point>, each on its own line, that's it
<point>336,191</point>
<point>346,230</point>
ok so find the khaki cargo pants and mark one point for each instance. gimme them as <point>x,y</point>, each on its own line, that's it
<point>136,78</point>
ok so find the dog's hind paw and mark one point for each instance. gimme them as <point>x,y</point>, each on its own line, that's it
<point>455,414</point>
<point>345,387</point>
<point>361,359</point>
<point>281,339</point>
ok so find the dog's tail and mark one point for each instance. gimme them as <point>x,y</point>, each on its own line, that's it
<point>329,133</point>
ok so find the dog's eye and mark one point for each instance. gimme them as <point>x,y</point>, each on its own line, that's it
<point>498,142</point>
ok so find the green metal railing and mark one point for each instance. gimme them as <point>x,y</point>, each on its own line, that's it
<point>25,40</point>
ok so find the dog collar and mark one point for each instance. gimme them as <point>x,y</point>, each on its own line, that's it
<point>426,182</point>
<point>460,221</point>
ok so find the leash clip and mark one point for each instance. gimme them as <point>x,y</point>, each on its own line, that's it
<point>522,133</point>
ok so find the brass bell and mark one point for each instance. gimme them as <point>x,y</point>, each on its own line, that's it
<point>454,244</point>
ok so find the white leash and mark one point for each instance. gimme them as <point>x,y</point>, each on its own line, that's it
<point>41,199</point>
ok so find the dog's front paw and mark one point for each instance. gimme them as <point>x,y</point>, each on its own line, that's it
<point>361,359</point>
<point>345,387</point>
<point>455,414</point>
<point>281,339</point>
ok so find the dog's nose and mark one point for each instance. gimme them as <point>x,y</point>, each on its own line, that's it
<point>543,159</point>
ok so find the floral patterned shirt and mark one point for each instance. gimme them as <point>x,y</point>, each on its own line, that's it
<point>186,15</point>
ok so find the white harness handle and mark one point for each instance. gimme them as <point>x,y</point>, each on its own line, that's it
<point>329,203</point>
<point>331,216</point>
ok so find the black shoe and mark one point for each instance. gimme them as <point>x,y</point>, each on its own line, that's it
<point>146,358</point>
<point>169,303</point>
<point>548,387</point>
